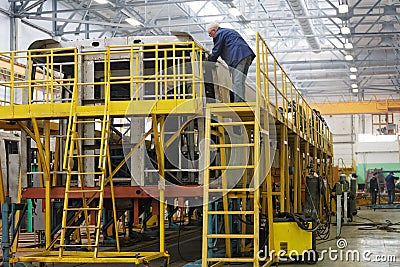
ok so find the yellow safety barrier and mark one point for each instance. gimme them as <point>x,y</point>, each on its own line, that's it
<point>242,177</point>
<point>159,79</point>
<point>50,76</point>
<point>285,101</point>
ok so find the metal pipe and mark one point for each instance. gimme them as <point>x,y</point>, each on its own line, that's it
<point>5,240</point>
<point>299,10</point>
<point>13,28</point>
<point>345,210</point>
<point>338,215</point>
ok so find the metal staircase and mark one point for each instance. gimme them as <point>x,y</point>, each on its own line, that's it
<point>237,128</point>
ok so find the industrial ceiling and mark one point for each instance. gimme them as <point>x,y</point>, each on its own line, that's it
<point>330,49</point>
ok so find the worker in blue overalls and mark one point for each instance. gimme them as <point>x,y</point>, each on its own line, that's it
<point>236,53</point>
<point>390,186</point>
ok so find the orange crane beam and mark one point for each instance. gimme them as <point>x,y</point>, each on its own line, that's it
<point>358,107</point>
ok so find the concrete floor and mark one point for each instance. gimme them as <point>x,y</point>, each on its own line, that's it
<point>370,243</point>
<point>375,247</point>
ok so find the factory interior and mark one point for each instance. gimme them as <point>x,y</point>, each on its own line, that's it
<point>135,133</point>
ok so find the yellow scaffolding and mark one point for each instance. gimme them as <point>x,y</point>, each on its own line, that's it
<point>45,86</point>
<point>50,90</point>
<point>246,129</point>
<point>48,86</point>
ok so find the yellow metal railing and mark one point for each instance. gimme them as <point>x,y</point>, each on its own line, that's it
<point>176,74</point>
<point>34,76</point>
<point>150,71</point>
<point>283,99</point>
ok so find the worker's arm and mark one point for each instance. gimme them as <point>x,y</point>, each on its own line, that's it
<point>217,50</point>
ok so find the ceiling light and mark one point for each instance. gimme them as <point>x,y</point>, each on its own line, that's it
<point>101,1</point>
<point>355,90</point>
<point>353,69</point>
<point>348,57</point>
<point>343,8</point>
<point>235,12</point>
<point>133,21</point>
<point>345,30</point>
<point>348,45</point>
<point>353,76</point>
<point>354,86</point>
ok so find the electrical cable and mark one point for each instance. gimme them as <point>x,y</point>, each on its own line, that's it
<point>266,231</point>
<point>322,228</point>
<point>386,226</point>
<point>367,219</point>
<point>327,240</point>
<point>179,237</point>
<point>237,217</point>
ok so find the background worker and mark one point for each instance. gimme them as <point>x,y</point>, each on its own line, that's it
<point>373,188</point>
<point>233,49</point>
<point>390,186</point>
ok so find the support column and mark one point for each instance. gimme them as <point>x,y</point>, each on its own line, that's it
<point>201,136</point>
<point>13,174</point>
<point>315,158</point>
<point>284,177</point>
<point>257,174</point>
<point>47,180</point>
<point>13,27</point>
<point>46,174</point>
<point>137,159</point>
<point>158,130</point>
<point>297,176</point>
<point>88,129</point>
<point>54,15</point>
<point>4,167</point>
<point>207,219</point>
<point>282,159</point>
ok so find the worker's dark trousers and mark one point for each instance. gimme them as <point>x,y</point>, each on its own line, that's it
<point>239,75</point>
<point>390,196</point>
<point>373,197</point>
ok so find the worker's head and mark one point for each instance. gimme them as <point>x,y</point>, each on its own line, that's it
<point>391,173</point>
<point>212,29</point>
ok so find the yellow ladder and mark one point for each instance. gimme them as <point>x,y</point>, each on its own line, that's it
<point>239,154</point>
<point>71,223</point>
<point>72,220</point>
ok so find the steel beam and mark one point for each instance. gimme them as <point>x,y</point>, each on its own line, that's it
<point>358,107</point>
<point>131,192</point>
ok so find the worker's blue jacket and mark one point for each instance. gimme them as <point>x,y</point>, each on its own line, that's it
<point>230,46</point>
<point>389,182</point>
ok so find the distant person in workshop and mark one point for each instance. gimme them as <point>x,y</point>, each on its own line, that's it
<point>233,49</point>
<point>373,188</point>
<point>390,186</point>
